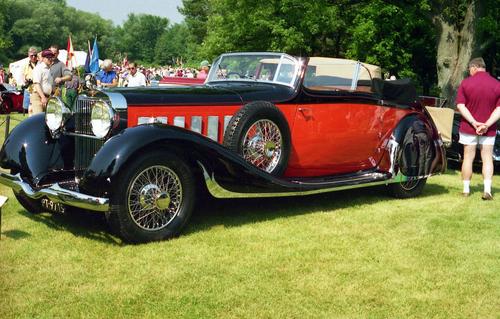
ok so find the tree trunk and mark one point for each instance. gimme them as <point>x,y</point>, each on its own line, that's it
<point>455,49</point>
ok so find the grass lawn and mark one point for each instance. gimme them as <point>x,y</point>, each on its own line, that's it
<point>349,254</point>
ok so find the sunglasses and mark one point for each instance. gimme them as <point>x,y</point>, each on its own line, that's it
<point>32,55</point>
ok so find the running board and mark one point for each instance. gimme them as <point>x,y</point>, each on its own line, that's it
<point>302,186</point>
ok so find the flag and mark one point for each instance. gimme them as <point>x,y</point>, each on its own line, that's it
<point>125,61</point>
<point>87,59</point>
<point>94,59</point>
<point>70,58</point>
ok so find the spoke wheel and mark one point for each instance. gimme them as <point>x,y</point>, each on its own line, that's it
<point>409,185</point>
<point>262,145</point>
<point>259,133</point>
<point>155,197</point>
<point>408,189</point>
<point>152,198</point>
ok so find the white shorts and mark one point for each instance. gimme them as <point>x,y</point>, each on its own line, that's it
<point>469,139</point>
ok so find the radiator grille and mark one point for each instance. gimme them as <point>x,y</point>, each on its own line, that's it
<point>85,147</point>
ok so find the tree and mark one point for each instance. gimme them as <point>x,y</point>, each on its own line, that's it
<point>139,36</point>
<point>174,44</point>
<point>396,37</point>
<point>456,22</point>
<point>196,14</point>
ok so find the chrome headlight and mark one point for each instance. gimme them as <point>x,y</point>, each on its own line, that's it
<point>101,119</point>
<point>56,114</point>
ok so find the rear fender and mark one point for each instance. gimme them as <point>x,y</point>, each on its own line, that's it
<point>415,148</point>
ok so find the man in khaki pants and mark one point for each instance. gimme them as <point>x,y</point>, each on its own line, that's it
<point>42,84</point>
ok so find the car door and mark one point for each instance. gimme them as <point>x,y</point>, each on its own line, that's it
<point>335,136</point>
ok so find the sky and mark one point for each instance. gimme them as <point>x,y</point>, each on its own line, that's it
<point>118,10</point>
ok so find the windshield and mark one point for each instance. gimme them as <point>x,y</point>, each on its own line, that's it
<point>256,67</point>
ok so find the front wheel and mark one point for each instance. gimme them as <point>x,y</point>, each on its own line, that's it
<point>407,189</point>
<point>153,199</point>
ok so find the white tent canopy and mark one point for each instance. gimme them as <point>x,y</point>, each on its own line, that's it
<point>17,67</point>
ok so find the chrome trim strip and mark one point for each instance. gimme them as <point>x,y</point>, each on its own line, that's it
<point>392,149</point>
<point>196,124</point>
<point>227,118</point>
<point>161,119</point>
<point>118,101</point>
<point>84,135</point>
<point>218,191</point>
<point>213,128</point>
<point>56,194</point>
<point>150,120</point>
<point>180,121</point>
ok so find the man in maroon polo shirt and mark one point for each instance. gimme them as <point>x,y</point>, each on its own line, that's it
<point>478,100</point>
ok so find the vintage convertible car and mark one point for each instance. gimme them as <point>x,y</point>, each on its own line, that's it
<point>263,124</point>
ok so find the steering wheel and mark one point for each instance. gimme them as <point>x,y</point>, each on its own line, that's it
<point>234,75</point>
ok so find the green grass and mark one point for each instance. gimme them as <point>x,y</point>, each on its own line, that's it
<point>349,254</point>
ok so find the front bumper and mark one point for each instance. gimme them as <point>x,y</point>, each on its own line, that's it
<point>56,194</point>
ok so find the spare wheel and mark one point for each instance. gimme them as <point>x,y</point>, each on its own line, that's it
<point>259,133</point>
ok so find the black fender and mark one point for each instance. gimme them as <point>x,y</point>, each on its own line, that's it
<point>421,152</point>
<point>31,150</point>
<point>232,171</point>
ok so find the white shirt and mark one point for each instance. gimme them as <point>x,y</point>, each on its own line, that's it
<point>138,79</point>
<point>41,75</point>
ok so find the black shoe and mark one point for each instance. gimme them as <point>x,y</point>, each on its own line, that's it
<point>487,196</point>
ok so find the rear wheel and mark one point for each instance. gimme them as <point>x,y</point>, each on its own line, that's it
<point>408,189</point>
<point>153,199</point>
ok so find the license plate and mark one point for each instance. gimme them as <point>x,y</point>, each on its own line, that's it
<point>52,206</point>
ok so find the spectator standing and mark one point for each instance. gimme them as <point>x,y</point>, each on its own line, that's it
<point>28,76</point>
<point>60,73</point>
<point>478,100</point>
<point>204,68</point>
<point>107,76</point>
<point>135,78</point>
<point>42,83</point>
<point>72,88</point>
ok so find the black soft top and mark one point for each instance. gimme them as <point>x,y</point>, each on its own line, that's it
<point>399,91</point>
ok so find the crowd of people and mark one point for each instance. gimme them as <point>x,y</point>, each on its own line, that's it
<point>45,75</point>
<point>131,74</point>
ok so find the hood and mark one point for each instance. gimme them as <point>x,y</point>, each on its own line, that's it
<point>225,93</point>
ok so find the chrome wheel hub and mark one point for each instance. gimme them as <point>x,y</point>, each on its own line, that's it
<point>262,145</point>
<point>154,197</point>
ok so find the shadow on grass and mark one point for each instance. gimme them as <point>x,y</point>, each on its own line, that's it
<point>16,234</point>
<point>211,212</point>
<point>79,223</point>
<point>237,212</point>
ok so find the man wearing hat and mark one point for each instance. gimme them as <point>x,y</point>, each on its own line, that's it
<point>42,84</point>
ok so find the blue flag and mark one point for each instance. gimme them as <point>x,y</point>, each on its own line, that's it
<point>94,59</point>
<point>87,59</point>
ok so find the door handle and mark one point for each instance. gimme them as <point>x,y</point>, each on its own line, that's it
<point>306,112</point>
